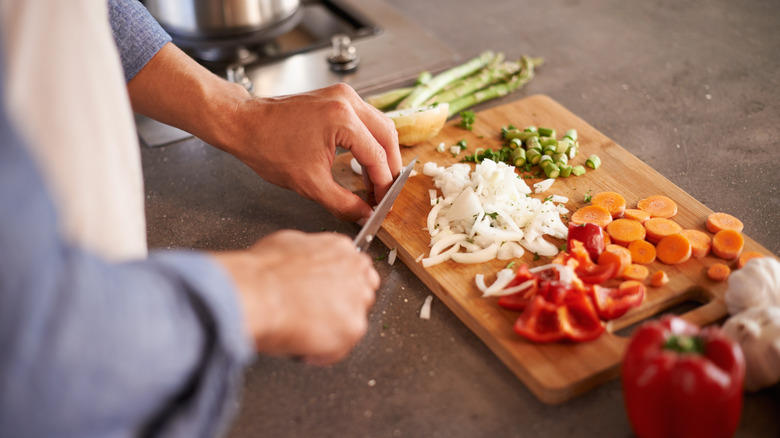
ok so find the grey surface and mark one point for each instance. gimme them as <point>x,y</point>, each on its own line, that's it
<point>691,88</point>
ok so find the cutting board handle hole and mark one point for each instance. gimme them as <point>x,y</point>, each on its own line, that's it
<point>679,309</point>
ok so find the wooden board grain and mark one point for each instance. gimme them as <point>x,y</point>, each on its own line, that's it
<point>553,372</point>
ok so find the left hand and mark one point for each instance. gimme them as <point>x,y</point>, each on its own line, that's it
<point>291,141</point>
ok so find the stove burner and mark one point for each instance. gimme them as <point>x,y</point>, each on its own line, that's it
<point>313,26</point>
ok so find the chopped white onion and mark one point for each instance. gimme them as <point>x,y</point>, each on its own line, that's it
<point>425,311</point>
<point>542,186</point>
<point>441,258</point>
<point>491,211</point>
<point>353,163</point>
<point>392,255</point>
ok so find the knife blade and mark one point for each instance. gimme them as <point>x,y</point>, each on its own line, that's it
<point>367,233</point>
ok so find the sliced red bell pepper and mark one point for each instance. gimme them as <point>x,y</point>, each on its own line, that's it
<point>679,381</point>
<point>574,318</point>
<point>591,236</point>
<point>612,303</point>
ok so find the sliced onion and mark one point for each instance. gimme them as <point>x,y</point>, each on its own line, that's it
<point>425,311</point>
<point>542,186</point>
<point>392,255</point>
<point>446,242</point>
<point>443,257</point>
<point>482,256</point>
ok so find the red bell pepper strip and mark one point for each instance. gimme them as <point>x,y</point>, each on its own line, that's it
<point>679,381</point>
<point>612,303</point>
<point>573,318</point>
<point>591,236</point>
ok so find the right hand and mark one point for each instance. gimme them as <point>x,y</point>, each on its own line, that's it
<point>304,295</point>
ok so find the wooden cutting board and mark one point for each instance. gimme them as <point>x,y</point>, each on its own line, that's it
<point>553,372</point>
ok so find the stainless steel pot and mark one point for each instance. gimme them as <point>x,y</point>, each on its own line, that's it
<point>220,18</point>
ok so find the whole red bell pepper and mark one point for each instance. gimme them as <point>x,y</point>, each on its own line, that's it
<point>680,381</point>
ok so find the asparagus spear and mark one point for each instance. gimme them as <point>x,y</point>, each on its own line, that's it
<point>497,90</point>
<point>388,99</point>
<point>423,92</point>
<point>475,82</point>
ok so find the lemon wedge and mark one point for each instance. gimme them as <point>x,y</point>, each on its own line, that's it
<point>416,125</point>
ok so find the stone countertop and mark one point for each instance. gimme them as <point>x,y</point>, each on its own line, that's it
<point>691,88</point>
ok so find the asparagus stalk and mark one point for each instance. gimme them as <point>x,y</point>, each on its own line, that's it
<point>497,90</point>
<point>388,99</point>
<point>423,92</point>
<point>478,81</point>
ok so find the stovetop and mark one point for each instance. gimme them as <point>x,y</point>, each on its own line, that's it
<point>389,48</point>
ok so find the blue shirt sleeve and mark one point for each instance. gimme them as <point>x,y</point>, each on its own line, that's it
<point>137,34</point>
<point>92,349</point>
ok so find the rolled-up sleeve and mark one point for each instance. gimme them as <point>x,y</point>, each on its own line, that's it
<point>91,349</point>
<point>137,34</point>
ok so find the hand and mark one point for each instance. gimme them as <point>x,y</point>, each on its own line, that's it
<point>304,294</point>
<point>291,141</point>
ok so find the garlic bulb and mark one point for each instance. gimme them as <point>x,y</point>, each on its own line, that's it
<point>757,330</point>
<point>757,284</point>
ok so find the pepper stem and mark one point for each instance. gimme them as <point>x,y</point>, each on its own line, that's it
<point>685,344</point>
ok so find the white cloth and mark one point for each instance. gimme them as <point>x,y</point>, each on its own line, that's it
<point>82,137</point>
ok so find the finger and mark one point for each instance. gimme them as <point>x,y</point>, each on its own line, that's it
<point>340,202</point>
<point>370,155</point>
<point>383,130</point>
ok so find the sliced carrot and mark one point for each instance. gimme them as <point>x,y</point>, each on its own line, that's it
<point>607,239</point>
<point>636,214</point>
<point>659,279</point>
<point>593,214</point>
<point>658,206</point>
<point>658,227</point>
<point>624,231</point>
<point>642,252</point>
<point>718,272</point>
<point>701,242</point>
<point>723,221</point>
<point>616,254</point>
<point>613,202</point>
<point>636,272</point>
<point>673,249</point>
<point>747,255</point>
<point>727,244</point>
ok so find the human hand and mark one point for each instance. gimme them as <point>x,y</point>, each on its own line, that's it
<point>291,141</point>
<point>304,295</point>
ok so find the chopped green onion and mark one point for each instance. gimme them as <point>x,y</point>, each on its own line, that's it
<point>546,132</point>
<point>578,170</point>
<point>593,161</point>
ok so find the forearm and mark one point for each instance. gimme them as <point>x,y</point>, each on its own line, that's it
<point>174,89</point>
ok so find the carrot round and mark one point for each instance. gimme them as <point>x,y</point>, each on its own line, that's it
<point>593,214</point>
<point>642,252</point>
<point>658,206</point>
<point>636,214</point>
<point>636,272</point>
<point>745,256</point>
<point>659,278</point>
<point>616,254</point>
<point>727,244</point>
<point>701,242</point>
<point>658,227</point>
<point>673,249</point>
<point>723,221</point>
<point>613,202</point>
<point>718,272</point>
<point>624,231</point>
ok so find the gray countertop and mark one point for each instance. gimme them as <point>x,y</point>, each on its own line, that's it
<point>691,88</point>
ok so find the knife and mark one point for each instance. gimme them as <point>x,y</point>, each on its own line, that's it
<point>367,233</point>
